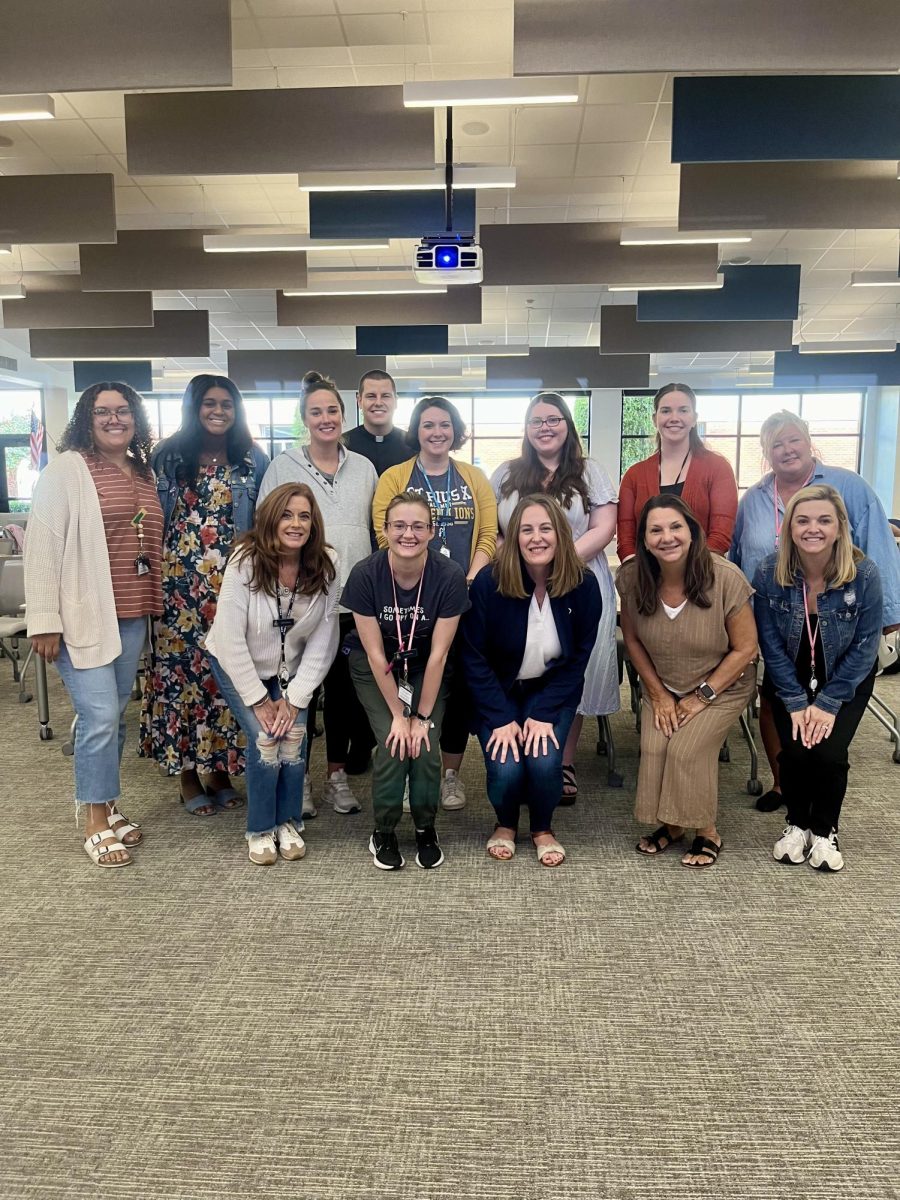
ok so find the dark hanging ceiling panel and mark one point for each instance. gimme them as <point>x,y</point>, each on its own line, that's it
<point>587,37</point>
<point>276,130</point>
<point>789,195</point>
<point>175,333</point>
<point>57,208</point>
<point>386,214</point>
<point>283,370</point>
<point>749,294</point>
<point>558,368</point>
<point>622,333</point>
<point>175,258</point>
<point>138,375</point>
<point>587,252</point>
<point>402,339</point>
<point>102,45</point>
<point>57,302</point>
<point>458,306</point>
<point>793,369</point>
<point>767,118</point>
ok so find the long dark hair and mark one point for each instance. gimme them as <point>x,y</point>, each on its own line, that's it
<point>261,548</point>
<point>695,441</point>
<point>698,570</point>
<point>187,440</point>
<point>526,473</point>
<point>79,433</point>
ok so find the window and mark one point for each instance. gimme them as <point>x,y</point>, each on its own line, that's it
<point>729,422</point>
<point>17,477</point>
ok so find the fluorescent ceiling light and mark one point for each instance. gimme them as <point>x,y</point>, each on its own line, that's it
<point>88,358</point>
<point>246,243</point>
<point>874,279</point>
<point>847,347</point>
<point>492,351</point>
<point>366,287</point>
<point>12,291</point>
<point>640,235</point>
<point>27,108</point>
<point>406,181</point>
<point>468,92</point>
<point>5,249</point>
<point>667,287</point>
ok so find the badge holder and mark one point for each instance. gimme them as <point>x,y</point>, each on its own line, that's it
<point>142,562</point>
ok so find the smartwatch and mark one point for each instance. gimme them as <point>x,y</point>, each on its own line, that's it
<point>706,693</point>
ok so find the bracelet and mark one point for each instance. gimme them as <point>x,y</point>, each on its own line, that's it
<point>426,721</point>
<point>703,700</point>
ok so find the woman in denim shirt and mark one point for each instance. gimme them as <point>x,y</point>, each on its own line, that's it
<point>208,475</point>
<point>819,614</point>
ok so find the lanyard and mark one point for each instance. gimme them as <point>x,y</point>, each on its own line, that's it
<point>441,511</point>
<point>403,650</point>
<point>285,623</point>
<point>778,518</point>
<point>813,682</point>
<point>680,469</point>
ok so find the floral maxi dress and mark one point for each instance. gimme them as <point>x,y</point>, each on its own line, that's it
<point>185,723</point>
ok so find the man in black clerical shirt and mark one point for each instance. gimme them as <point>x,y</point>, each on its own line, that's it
<point>377,439</point>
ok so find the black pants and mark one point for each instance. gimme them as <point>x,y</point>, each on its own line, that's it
<point>814,781</point>
<point>457,714</point>
<point>346,723</point>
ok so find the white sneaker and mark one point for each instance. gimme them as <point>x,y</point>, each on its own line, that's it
<point>290,844</point>
<point>262,849</point>
<point>453,794</point>
<point>338,795</point>
<point>825,854</point>
<point>309,809</point>
<point>406,807</point>
<point>793,845</point>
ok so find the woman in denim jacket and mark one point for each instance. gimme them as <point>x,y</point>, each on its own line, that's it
<point>818,610</point>
<point>208,475</point>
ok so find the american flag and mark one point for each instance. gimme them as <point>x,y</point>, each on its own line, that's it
<point>38,457</point>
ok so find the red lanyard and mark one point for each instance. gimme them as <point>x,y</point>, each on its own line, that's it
<point>813,682</point>
<point>777,514</point>
<point>401,648</point>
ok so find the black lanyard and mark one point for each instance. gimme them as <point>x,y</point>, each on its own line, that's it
<point>680,469</point>
<point>284,623</point>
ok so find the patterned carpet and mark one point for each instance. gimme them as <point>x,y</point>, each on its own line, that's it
<point>194,1027</point>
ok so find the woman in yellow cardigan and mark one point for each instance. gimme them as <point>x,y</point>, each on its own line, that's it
<point>465,519</point>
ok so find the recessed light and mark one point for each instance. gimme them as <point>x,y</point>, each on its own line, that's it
<point>668,287</point>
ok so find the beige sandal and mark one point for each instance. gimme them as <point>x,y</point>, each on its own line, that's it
<point>125,829</point>
<point>501,843</point>
<point>98,854</point>
<point>550,848</point>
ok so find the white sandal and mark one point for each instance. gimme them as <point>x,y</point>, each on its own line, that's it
<point>501,843</point>
<point>123,831</point>
<point>550,848</point>
<point>98,854</point>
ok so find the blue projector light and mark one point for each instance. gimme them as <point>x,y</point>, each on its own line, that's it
<point>446,257</point>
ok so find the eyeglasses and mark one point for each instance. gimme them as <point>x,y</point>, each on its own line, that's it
<point>419,528</point>
<point>536,422</point>
<point>121,414</point>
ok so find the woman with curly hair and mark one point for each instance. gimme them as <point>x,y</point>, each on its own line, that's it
<point>92,578</point>
<point>207,476</point>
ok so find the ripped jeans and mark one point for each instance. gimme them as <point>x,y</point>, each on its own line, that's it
<point>275,769</point>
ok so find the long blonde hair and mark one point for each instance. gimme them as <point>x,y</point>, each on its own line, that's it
<point>568,569</point>
<point>841,568</point>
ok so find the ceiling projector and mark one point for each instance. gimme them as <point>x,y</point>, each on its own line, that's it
<point>444,258</point>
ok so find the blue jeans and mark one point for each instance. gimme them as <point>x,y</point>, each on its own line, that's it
<point>275,770</point>
<point>100,696</point>
<point>535,782</point>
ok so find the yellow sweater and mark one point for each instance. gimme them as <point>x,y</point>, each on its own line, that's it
<point>484,529</point>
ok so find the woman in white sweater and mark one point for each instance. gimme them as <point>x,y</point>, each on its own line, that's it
<point>273,639</point>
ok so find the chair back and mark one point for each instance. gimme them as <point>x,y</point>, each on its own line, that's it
<point>12,586</point>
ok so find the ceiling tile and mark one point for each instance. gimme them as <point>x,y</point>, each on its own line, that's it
<point>384,29</point>
<point>97,105</point>
<point>608,159</point>
<point>66,137</point>
<point>309,56</point>
<point>617,122</point>
<point>310,77</point>
<point>110,131</point>
<point>301,31</point>
<point>534,126</point>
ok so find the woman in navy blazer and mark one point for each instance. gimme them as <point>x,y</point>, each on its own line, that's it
<point>526,642</point>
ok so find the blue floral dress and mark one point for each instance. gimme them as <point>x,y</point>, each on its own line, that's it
<point>185,723</point>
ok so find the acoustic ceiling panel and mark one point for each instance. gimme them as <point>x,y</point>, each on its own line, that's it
<point>622,333</point>
<point>283,370</point>
<point>276,130</point>
<point>751,293</point>
<point>587,252</point>
<point>402,339</point>
<point>764,118</point>
<point>57,302</point>
<point>94,45</point>
<point>793,369</point>
<point>138,375</point>
<point>175,258</point>
<point>558,368</point>
<point>57,208</point>
<point>386,214</point>
<point>587,37</point>
<point>458,306</point>
<point>175,333</point>
<point>789,195</point>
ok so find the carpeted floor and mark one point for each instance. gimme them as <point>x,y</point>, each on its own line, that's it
<point>194,1027</point>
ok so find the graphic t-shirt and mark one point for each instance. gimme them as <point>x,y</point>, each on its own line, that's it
<point>368,592</point>
<point>453,507</point>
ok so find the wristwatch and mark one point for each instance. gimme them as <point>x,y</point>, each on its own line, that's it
<point>706,693</point>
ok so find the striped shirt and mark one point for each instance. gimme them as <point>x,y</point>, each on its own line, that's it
<point>121,497</point>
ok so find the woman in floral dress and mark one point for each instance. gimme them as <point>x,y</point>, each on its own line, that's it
<point>208,475</point>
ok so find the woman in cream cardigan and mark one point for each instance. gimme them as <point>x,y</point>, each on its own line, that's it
<point>464,509</point>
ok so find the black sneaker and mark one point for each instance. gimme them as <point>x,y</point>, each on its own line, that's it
<point>428,850</point>
<point>386,851</point>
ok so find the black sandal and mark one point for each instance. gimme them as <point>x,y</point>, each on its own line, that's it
<point>661,839</point>
<point>569,781</point>
<point>708,848</point>
<point>770,802</point>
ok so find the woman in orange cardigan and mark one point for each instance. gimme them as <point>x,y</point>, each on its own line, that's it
<point>682,466</point>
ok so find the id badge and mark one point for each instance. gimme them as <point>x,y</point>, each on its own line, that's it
<point>142,564</point>
<point>445,550</point>
<point>405,692</point>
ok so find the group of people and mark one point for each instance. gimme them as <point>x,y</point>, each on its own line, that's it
<point>426,602</point>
